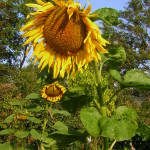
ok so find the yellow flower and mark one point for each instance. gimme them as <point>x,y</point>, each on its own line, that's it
<point>63,36</point>
<point>53,92</point>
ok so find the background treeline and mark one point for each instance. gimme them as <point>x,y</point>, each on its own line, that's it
<point>16,82</point>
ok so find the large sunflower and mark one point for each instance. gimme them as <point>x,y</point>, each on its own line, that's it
<point>62,36</point>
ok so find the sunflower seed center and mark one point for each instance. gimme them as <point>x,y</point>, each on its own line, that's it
<point>65,35</point>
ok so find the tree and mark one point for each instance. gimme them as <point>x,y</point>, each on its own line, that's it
<point>133,34</point>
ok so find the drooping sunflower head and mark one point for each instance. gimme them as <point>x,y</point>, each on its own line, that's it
<point>53,92</point>
<point>63,36</point>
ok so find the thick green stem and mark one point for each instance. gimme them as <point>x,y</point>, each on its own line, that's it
<point>100,95</point>
<point>98,80</point>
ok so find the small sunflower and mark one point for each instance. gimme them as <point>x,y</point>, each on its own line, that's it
<point>63,36</point>
<point>53,92</point>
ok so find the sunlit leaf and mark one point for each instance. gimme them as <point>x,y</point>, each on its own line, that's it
<point>6,146</point>
<point>122,126</point>
<point>137,78</point>
<point>116,75</point>
<point>133,78</point>
<point>60,127</point>
<point>35,134</point>
<point>33,96</point>
<point>77,89</point>
<point>90,117</point>
<point>6,131</point>
<point>34,120</point>
<point>21,134</point>
<point>9,118</point>
<point>108,15</point>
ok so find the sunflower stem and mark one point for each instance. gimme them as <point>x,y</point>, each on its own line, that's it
<point>45,119</point>
<point>103,108</point>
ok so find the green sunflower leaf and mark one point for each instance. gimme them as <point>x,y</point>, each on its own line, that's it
<point>116,75</point>
<point>33,96</point>
<point>143,131</point>
<point>137,78</point>
<point>35,134</point>
<point>34,120</point>
<point>60,127</point>
<point>61,112</point>
<point>133,78</point>
<point>122,126</point>
<point>35,109</point>
<point>108,15</point>
<point>90,117</point>
<point>6,131</point>
<point>21,134</point>
<point>116,56</point>
<point>6,146</point>
<point>9,119</point>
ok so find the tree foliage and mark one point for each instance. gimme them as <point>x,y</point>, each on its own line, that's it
<point>133,33</point>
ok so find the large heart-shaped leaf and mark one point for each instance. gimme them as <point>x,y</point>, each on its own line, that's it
<point>60,127</point>
<point>122,126</point>
<point>133,78</point>
<point>90,117</point>
<point>137,78</point>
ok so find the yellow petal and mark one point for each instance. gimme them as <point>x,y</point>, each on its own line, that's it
<point>98,56</point>
<point>102,41</point>
<point>45,56</point>
<point>44,64</point>
<point>70,11</point>
<point>38,38</point>
<point>51,60</point>
<point>89,33</point>
<point>99,47</point>
<point>40,2</point>
<point>33,22</point>
<point>33,5</point>
<point>46,8</point>
<point>57,66</point>
<point>89,23</point>
<point>33,31</point>
<point>38,48</point>
<point>31,38</point>
<point>66,62</point>
<point>88,9</point>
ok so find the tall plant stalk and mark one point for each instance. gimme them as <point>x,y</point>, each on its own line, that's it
<point>100,95</point>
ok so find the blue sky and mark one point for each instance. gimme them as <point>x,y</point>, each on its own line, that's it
<point>116,4</point>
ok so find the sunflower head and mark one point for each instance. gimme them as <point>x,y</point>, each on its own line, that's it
<point>63,36</point>
<point>53,92</point>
